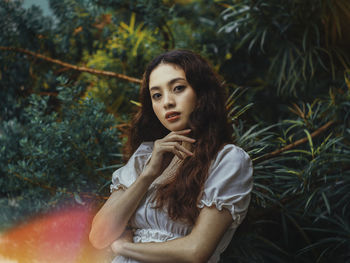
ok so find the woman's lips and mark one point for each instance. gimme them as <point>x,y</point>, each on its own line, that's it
<point>172,116</point>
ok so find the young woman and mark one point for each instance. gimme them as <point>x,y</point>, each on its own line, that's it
<point>186,187</point>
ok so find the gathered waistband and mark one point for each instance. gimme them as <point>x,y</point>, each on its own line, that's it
<point>153,235</point>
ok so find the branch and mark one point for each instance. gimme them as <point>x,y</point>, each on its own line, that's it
<point>67,65</point>
<point>53,190</point>
<point>294,144</point>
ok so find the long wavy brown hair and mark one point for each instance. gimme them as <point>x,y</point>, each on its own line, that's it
<point>209,126</point>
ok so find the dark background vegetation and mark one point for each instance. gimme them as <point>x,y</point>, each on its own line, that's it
<point>69,86</point>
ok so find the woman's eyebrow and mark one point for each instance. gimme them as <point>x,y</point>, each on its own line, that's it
<point>170,82</point>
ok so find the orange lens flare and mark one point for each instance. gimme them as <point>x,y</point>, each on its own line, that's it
<point>57,237</point>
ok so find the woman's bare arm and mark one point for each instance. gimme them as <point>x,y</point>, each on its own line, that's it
<point>198,246</point>
<point>110,221</point>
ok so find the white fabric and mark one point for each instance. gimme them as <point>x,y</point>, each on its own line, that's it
<point>228,185</point>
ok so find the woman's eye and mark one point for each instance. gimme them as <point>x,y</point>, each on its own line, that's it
<point>179,88</point>
<point>156,96</point>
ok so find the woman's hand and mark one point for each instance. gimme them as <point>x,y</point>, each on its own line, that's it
<point>126,237</point>
<point>170,144</point>
<point>109,223</point>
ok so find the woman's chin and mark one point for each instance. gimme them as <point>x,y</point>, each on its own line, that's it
<point>173,127</point>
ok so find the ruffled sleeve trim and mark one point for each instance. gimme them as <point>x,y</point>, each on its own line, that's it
<point>125,176</point>
<point>117,185</point>
<point>236,216</point>
<point>229,183</point>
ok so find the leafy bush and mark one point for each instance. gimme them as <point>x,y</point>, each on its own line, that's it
<point>55,155</point>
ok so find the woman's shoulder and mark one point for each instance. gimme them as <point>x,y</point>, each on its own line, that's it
<point>144,148</point>
<point>128,173</point>
<point>231,161</point>
<point>232,153</point>
<point>142,154</point>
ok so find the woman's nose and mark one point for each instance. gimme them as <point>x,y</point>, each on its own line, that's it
<point>169,101</point>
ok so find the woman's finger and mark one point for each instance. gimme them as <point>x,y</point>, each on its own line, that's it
<point>170,147</point>
<point>176,148</point>
<point>179,135</point>
<point>181,132</point>
<point>183,149</point>
<point>179,138</point>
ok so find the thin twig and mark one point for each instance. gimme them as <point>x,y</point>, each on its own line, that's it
<point>294,144</point>
<point>67,65</point>
<point>53,190</point>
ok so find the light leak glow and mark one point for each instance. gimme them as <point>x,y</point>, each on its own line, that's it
<point>57,237</point>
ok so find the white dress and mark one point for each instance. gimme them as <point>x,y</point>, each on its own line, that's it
<point>228,185</point>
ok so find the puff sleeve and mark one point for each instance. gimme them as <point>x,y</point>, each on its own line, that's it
<point>127,175</point>
<point>229,183</point>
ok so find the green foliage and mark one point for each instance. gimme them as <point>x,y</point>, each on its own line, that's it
<point>128,46</point>
<point>294,36</point>
<point>301,193</point>
<point>55,155</point>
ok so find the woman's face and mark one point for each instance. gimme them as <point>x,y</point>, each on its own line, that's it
<point>173,99</point>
